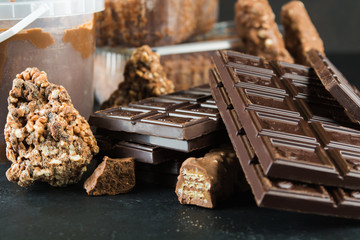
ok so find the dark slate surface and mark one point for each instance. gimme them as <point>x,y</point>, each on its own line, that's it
<point>153,212</point>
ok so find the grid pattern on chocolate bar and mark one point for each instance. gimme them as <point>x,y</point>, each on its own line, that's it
<point>183,115</point>
<point>279,193</point>
<point>345,93</point>
<point>290,141</point>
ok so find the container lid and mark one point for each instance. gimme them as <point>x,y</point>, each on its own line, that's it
<point>57,8</point>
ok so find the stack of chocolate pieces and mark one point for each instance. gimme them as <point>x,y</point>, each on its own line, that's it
<point>295,131</point>
<point>161,132</point>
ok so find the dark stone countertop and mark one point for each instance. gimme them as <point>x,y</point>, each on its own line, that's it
<point>153,212</point>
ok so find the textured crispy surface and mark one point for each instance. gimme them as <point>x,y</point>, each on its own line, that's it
<point>133,23</point>
<point>256,26</point>
<point>46,138</point>
<point>143,77</point>
<point>207,180</point>
<point>300,33</point>
<point>111,177</point>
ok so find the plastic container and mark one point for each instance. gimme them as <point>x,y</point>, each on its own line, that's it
<point>186,64</point>
<point>60,42</point>
<point>132,23</point>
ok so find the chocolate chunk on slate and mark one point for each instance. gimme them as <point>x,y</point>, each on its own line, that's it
<point>300,33</point>
<point>47,139</point>
<point>111,177</point>
<point>207,180</point>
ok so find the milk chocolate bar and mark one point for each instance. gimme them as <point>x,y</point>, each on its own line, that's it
<point>291,138</point>
<point>280,193</point>
<point>183,115</point>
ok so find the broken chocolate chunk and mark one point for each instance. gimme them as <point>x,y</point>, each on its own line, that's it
<point>111,177</point>
<point>47,139</point>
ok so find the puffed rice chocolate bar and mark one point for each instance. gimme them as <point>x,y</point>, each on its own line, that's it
<point>143,77</point>
<point>300,33</point>
<point>256,26</point>
<point>207,180</point>
<point>47,139</point>
<point>111,177</point>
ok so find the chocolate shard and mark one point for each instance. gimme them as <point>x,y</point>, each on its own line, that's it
<point>111,177</point>
<point>183,115</point>
<point>207,180</point>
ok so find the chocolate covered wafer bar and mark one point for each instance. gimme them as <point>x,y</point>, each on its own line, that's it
<point>297,130</point>
<point>207,180</point>
<point>256,26</point>
<point>300,34</point>
<point>278,193</point>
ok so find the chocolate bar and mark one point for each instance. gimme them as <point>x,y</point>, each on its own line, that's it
<point>292,140</point>
<point>183,115</point>
<point>145,153</point>
<point>169,143</point>
<point>345,93</point>
<point>279,193</point>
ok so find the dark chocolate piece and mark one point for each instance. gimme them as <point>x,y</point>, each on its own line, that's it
<point>145,153</point>
<point>211,139</point>
<point>111,177</point>
<point>207,180</point>
<point>292,139</point>
<point>182,115</point>
<point>345,93</point>
<point>283,194</point>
